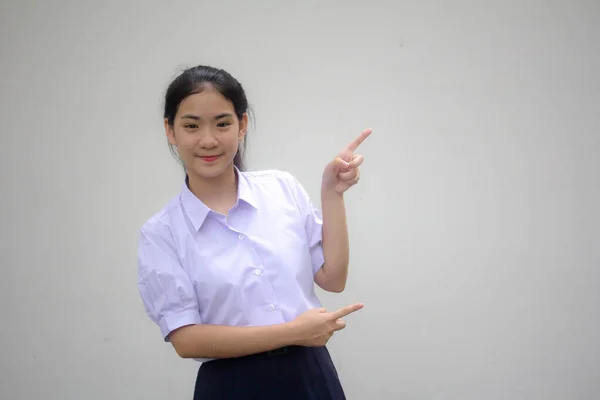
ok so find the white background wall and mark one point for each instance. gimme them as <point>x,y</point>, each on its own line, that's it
<point>474,230</point>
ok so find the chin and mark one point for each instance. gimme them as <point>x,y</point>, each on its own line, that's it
<point>211,171</point>
<point>209,174</point>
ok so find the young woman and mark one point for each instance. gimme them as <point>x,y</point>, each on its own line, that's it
<point>227,268</point>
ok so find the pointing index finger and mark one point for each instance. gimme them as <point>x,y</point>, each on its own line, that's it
<point>361,138</point>
<point>342,312</point>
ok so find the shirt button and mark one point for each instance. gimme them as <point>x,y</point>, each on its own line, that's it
<point>257,271</point>
<point>271,307</point>
<point>241,236</point>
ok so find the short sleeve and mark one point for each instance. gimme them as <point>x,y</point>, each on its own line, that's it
<point>313,223</point>
<point>165,287</point>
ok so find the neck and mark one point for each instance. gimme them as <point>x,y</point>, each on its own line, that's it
<point>218,193</point>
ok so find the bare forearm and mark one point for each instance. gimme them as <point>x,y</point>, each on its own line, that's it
<point>334,273</point>
<point>217,341</point>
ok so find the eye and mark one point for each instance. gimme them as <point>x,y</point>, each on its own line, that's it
<point>223,124</point>
<point>190,126</point>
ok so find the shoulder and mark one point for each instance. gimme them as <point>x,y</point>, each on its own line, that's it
<point>161,223</point>
<point>278,187</point>
<point>273,179</point>
<point>158,240</point>
<point>268,176</point>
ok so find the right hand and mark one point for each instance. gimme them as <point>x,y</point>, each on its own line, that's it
<point>316,326</point>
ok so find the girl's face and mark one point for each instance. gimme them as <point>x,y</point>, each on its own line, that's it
<point>207,134</point>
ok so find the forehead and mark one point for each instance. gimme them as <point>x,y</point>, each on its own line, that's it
<point>208,102</point>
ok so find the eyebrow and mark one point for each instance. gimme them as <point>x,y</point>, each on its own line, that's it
<point>197,118</point>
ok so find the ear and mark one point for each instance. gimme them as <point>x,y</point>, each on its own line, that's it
<point>243,127</point>
<point>170,133</point>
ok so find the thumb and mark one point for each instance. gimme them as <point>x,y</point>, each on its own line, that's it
<point>338,164</point>
<point>340,324</point>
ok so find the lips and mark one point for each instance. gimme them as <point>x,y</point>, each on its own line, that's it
<point>209,158</point>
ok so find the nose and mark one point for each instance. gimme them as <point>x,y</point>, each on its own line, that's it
<point>207,140</point>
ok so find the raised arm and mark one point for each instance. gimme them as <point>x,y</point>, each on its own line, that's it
<point>334,273</point>
<point>339,175</point>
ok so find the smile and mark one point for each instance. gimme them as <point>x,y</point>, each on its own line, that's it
<point>209,159</point>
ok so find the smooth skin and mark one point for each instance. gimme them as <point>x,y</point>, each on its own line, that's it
<point>340,175</point>
<point>207,133</point>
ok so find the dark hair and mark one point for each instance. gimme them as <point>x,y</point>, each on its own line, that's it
<point>195,80</point>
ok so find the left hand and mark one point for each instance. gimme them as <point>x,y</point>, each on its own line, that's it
<point>343,173</point>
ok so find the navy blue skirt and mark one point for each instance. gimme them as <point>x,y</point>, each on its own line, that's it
<point>290,373</point>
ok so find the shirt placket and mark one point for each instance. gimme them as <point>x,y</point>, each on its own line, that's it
<point>264,303</point>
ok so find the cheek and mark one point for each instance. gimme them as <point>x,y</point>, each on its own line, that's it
<point>231,142</point>
<point>185,147</point>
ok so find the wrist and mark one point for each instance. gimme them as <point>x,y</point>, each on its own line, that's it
<point>293,333</point>
<point>329,194</point>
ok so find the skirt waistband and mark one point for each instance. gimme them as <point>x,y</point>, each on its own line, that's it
<point>291,373</point>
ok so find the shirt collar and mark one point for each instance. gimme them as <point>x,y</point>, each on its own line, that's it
<point>197,211</point>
